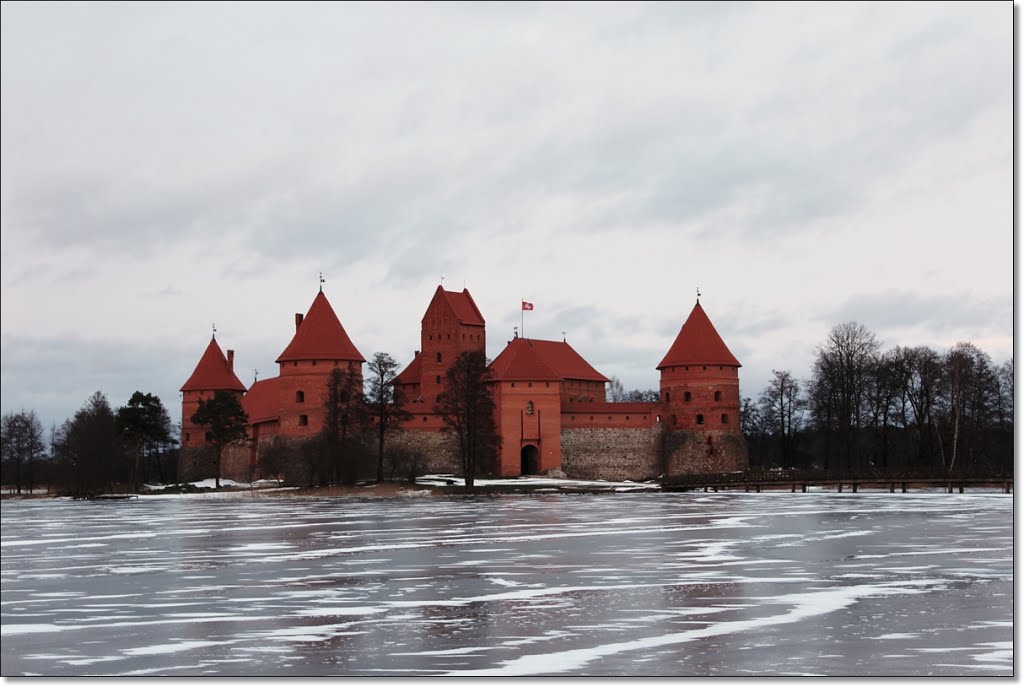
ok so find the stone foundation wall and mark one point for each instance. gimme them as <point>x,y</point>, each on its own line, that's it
<point>612,454</point>
<point>199,463</point>
<point>692,453</point>
<point>422,453</point>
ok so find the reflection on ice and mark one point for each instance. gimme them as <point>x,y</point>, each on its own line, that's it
<point>561,584</point>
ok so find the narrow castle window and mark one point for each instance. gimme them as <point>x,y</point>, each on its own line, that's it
<point>438,379</point>
<point>705,367</point>
<point>529,407</point>
<point>700,419</point>
<point>668,397</point>
<point>209,436</point>
<point>303,420</point>
<point>300,397</point>
<point>424,418</point>
<point>187,436</point>
<point>725,419</point>
<point>718,395</point>
<point>687,396</point>
<point>439,357</point>
<point>529,385</point>
<point>314,363</point>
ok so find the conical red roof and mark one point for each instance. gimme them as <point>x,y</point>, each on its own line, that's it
<point>698,343</point>
<point>212,373</point>
<point>321,336</point>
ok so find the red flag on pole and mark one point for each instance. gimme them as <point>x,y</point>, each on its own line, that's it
<point>527,306</point>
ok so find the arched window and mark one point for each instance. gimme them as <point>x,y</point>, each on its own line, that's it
<point>687,396</point>
<point>718,395</point>
<point>700,419</point>
<point>300,397</point>
<point>725,419</point>
<point>668,397</point>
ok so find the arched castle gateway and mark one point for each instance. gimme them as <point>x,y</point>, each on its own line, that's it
<point>551,409</point>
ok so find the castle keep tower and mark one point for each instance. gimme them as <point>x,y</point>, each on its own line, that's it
<point>700,401</point>
<point>320,344</point>
<point>213,373</point>
<point>452,324</point>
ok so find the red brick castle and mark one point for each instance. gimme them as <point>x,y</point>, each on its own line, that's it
<point>551,409</point>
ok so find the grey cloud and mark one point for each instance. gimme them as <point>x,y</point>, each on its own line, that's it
<point>55,376</point>
<point>940,312</point>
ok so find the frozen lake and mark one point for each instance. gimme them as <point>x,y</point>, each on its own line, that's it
<point>619,584</point>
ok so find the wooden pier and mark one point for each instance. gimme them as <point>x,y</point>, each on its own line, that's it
<point>757,482</point>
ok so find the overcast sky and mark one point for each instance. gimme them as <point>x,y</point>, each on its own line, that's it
<point>170,166</point>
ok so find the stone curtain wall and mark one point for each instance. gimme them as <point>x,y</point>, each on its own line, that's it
<point>612,454</point>
<point>607,454</point>
<point>432,452</point>
<point>691,453</point>
<point>196,464</point>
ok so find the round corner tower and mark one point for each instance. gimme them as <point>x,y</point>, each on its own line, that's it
<point>700,396</point>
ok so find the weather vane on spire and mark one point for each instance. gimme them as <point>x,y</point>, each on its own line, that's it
<point>214,330</point>
<point>698,294</point>
<point>442,279</point>
<point>255,375</point>
<point>321,282</point>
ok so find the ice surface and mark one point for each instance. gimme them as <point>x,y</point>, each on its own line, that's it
<point>561,584</point>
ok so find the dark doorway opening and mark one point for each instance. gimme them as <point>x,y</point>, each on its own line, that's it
<point>529,460</point>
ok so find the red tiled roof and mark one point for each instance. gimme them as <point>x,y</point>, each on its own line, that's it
<point>521,361</point>
<point>608,407</point>
<point>411,373</point>
<point>321,336</point>
<point>462,304</point>
<point>698,343</point>
<point>465,307</point>
<point>212,373</point>
<point>542,360</point>
<point>261,403</point>
<point>565,361</point>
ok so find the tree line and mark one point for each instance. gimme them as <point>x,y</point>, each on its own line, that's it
<point>102,449</point>
<point>868,410</point>
<point>96,450</point>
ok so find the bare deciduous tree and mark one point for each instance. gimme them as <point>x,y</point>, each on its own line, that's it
<point>467,409</point>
